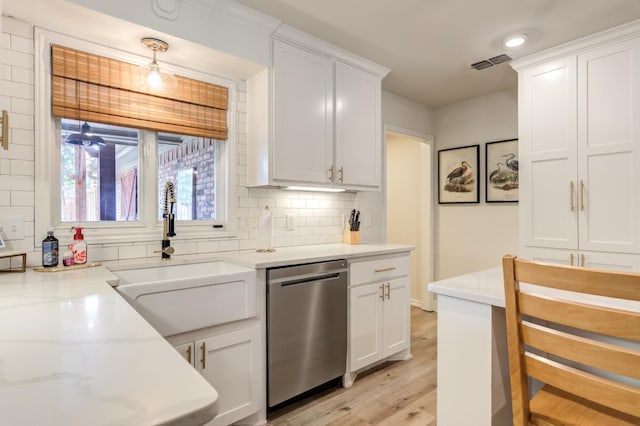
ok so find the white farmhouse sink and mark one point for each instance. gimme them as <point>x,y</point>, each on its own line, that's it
<point>178,298</point>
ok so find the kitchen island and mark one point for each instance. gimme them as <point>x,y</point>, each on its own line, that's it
<point>473,364</point>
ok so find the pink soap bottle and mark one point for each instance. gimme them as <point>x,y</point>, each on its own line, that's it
<point>79,247</point>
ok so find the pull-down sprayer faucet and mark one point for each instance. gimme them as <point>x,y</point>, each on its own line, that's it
<point>168,219</point>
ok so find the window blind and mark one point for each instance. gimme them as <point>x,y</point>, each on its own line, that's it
<point>94,88</point>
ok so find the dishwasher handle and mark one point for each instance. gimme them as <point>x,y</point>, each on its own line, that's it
<point>304,279</point>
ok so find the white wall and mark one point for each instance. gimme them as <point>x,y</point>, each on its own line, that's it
<point>472,237</point>
<point>401,114</point>
<point>317,216</point>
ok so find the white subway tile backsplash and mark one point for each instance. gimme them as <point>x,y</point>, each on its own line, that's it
<point>15,27</point>
<point>21,121</point>
<point>22,137</point>
<point>22,168</point>
<point>5,41</point>
<point>18,59</point>
<point>22,106</point>
<point>5,166</point>
<point>16,183</point>
<point>5,198</point>
<point>17,90</point>
<point>132,252</point>
<point>22,75</point>
<point>22,198</point>
<point>5,72</point>
<point>19,152</point>
<point>22,44</point>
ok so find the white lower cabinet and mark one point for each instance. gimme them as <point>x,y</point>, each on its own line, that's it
<point>379,316</point>
<point>230,361</point>
<point>584,258</point>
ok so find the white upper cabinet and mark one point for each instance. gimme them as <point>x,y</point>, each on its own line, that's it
<point>580,149</point>
<point>358,141</point>
<point>314,118</point>
<point>303,115</point>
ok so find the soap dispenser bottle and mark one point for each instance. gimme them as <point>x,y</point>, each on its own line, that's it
<point>79,247</point>
<point>50,250</point>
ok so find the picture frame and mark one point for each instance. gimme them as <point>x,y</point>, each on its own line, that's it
<point>501,171</point>
<point>458,173</point>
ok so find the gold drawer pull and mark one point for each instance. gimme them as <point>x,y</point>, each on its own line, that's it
<point>391,268</point>
<point>388,291</point>
<point>382,292</point>
<point>189,354</point>
<point>571,259</point>
<point>582,195</point>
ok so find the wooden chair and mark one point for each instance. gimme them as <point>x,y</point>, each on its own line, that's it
<point>562,342</point>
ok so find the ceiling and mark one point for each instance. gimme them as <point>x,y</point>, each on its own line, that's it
<point>429,44</point>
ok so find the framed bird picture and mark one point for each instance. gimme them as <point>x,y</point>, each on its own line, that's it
<point>501,171</point>
<point>458,171</point>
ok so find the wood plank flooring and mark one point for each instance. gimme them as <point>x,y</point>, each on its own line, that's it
<point>394,393</point>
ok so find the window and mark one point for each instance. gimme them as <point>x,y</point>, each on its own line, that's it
<point>108,174</point>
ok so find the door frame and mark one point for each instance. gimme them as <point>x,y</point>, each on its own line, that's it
<point>427,236</point>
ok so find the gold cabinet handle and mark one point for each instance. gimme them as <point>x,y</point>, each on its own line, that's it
<point>341,171</point>
<point>391,268</point>
<point>331,174</point>
<point>582,260</point>
<point>571,189</point>
<point>388,291</point>
<point>582,195</point>
<point>571,259</point>
<point>4,138</point>
<point>203,349</point>
<point>189,354</point>
<point>382,292</point>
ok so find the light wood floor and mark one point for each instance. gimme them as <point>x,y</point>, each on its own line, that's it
<point>394,393</point>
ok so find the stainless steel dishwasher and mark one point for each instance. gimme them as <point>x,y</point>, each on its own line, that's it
<point>306,327</point>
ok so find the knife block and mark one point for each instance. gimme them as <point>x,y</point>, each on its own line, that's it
<point>350,237</point>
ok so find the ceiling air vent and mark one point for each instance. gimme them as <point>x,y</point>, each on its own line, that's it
<point>488,63</point>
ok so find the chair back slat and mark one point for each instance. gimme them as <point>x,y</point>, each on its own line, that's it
<point>583,345</point>
<point>581,350</point>
<point>594,318</point>
<point>603,391</point>
<point>621,285</point>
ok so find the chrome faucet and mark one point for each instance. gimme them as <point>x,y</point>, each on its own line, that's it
<point>168,219</point>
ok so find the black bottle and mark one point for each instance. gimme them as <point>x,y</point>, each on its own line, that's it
<point>50,250</point>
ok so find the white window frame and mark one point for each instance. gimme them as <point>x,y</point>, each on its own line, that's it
<point>147,227</point>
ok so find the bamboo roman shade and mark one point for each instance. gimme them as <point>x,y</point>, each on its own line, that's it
<point>95,88</point>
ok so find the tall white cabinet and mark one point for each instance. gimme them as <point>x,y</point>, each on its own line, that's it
<point>580,152</point>
<point>315,117</point>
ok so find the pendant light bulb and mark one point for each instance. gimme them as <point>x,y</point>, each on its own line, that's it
<point>151,77</point>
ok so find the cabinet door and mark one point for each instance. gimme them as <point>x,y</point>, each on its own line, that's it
<point>396,317</point>
<point>231,363</point>
<point>547,255</point>
<point>615,261</point>
<point>608,139</point>
<point>547,149</point>
<point>365,314</point>
<point>358,129</point>
<point>303,115</point>
<point>187,351</point>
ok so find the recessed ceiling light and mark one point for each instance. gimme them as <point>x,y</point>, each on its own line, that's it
<point>515,40</point>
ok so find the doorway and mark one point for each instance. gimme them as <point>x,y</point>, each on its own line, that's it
<point>409,200</point>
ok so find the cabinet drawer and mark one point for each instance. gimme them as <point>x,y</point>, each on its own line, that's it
<point>378,269</point>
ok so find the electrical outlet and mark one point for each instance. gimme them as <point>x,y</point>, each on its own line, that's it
<point>12,228</point>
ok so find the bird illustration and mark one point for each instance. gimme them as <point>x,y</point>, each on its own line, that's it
<point>495,172</point>
<point>511,162</point>
<point>458,171</point>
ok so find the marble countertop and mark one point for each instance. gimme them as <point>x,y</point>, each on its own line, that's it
<point>487,287</point>
<point>73,352</point>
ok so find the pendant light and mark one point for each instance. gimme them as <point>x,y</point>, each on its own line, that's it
<point>150,77</point>
<point>85,137</point>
